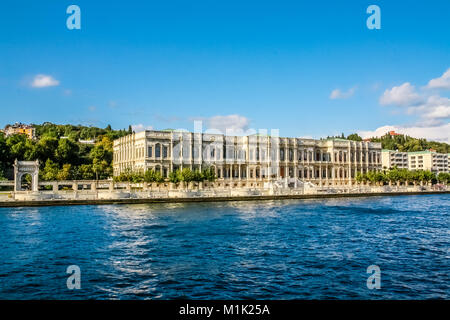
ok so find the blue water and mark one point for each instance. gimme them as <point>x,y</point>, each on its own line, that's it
<point>299,249</point>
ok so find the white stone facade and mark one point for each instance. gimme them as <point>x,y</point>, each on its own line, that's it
<point>248,158</point>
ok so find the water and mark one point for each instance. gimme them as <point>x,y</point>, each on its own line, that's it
<point>299,249</point>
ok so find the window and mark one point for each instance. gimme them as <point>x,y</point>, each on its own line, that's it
<point>150,152</point>
<point>282,154</point>
<point>158,151</point>
<point>164,152</point>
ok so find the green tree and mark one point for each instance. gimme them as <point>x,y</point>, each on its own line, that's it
<point>359,177</point>
<point>354,137</point>
<point>443,177</point>
<point>85,172</point>
<point>66,152</point>
<point>174,176</point>
<point>46,148</point>
<point>209,174</point>
<point>187,175</point>
<point>153,176</point>
<point>66,173</point>
<point>197,176</point>
<point>101,156</point>
<point>17,146</point>
<point>2,176</point>
<point>5,159</point>
<point>428,176</point>
<point>50,171</point>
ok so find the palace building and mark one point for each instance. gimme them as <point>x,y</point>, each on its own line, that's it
<point>249,158</point>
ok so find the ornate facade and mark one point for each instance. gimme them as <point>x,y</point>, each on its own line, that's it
<point>248,158</point>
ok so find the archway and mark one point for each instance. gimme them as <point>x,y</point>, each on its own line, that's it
<point>22,169</point>
<point>26,182</point>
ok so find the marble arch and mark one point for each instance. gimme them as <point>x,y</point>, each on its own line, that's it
<point>22,168</point>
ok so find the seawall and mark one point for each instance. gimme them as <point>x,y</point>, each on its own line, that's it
<point>70,202</point>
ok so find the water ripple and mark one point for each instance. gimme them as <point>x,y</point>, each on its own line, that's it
<point>302,249</point>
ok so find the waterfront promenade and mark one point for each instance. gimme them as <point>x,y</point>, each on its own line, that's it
<point>107,192</point>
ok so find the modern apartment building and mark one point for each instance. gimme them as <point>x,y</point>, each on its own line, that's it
<point>428,160</point>
<point>390,158</point>
<point>421,160</point>
<point>253,157</point>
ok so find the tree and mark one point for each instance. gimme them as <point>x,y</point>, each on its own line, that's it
<point>17,146</point>
<point>5,160</point>
<point>197,176</point>
<point>393,175</point>
<point>46,148</point>
<point>428,176</point>
<point>443,177</point>
<point>209,174</point>
<point>2,177</point>
<point>187,175</point>
<point>66,173</point>
<point>153,176</point>
<point>66,152</point>
<point>101,156</point>
<point>359,177</point>
<point>50,171</point>
<point>85,172</point>
<point>174,176</point>
<point>354,137</point>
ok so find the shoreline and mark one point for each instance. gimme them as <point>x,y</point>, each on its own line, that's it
<point>73,202</point>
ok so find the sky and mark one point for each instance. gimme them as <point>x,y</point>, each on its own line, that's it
<point>306,68</point>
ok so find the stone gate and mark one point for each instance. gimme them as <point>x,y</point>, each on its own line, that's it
<point>26,167</point>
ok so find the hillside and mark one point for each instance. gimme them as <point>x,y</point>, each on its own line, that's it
<point>60,151</point>
<point>405,143</point>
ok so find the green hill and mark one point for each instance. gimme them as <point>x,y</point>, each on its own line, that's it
<point>405,143</point>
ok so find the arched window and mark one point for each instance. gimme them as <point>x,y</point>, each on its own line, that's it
<point>157,150</point>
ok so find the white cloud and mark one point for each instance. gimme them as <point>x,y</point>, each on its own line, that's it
<point>42,81</point>
<point>439,133</point>
<point>443,82</point>
<point>338,94</point>
<point>140,127</point>
<point>435,107</point>
<point>404,95</point>
<point>433,111</point>
<point>232,124</point>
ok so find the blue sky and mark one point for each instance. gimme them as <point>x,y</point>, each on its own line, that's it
<point>244,64</point>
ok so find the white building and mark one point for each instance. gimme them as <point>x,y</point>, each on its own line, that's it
<point>254,157</point>
<point>428,160</point>
<point>391,158</point>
